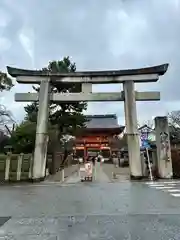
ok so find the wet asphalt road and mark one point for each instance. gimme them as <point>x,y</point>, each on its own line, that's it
<point>98,210</point>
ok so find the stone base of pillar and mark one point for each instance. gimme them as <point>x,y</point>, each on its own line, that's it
<point>136,178</point>
<point>166,178</point>
<point>36,180</point>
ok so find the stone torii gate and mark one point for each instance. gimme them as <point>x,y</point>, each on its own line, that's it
<point>128,95</point>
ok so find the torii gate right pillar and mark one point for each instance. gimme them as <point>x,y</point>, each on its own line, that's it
<point>132,131</point>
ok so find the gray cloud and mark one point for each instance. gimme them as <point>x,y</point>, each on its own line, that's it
<point>98,35</point>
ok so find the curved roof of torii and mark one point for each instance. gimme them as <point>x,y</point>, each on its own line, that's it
<point>159,69</point>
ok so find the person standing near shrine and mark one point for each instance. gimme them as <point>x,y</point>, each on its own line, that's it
<point>115,162</point>
<point>94,159</point>
<point>100,158</point>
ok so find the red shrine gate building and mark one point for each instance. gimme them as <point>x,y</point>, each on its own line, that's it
<point>96,137</point>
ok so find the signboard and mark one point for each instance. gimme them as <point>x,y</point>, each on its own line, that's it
<point>92,145</point>
<point>152,136</point>
<point>105,147</point>
<point>146,134</point>
<point>79,147</point>
<point>145,144</point>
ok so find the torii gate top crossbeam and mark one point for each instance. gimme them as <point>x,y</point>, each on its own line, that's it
<point>149,74</point>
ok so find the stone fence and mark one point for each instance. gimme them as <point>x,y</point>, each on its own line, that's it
<point>18,167</point>
<point>15,167</point>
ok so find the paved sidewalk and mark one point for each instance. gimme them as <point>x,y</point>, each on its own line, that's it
<point>74,178</point>
<point>100,174</point>
<point>99,177</point>
<point>67,173</point>
<point>122,173</point>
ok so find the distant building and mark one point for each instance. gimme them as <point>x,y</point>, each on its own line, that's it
<point>100,129</point>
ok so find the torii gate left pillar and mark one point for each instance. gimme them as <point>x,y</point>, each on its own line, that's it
<point>41,143</point>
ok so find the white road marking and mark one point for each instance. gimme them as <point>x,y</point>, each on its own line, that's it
<point>149,183</point>
<point>167,182</point>
<point>164,187</point>
<point>170,187</point>
<point>157,185</point>
<point>172,182</point>
<point>175,194</point>
<point>39,185</point>
<point>173,190</point>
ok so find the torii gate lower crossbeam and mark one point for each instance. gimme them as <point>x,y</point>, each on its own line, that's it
<point>127,77</point>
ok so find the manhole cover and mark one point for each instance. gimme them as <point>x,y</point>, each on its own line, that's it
<point>3,220</point>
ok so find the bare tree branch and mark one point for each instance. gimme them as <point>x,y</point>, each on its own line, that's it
<point>5,82</point>
<point>5,116</point>
<point>149,123</point>
<point>174,118</point>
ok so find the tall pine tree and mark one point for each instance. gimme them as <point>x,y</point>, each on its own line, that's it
<point>68,117</point>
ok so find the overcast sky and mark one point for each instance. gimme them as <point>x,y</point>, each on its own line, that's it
<point>96,34</point>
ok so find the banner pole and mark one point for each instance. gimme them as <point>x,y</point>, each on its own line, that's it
<point>149,164</point>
